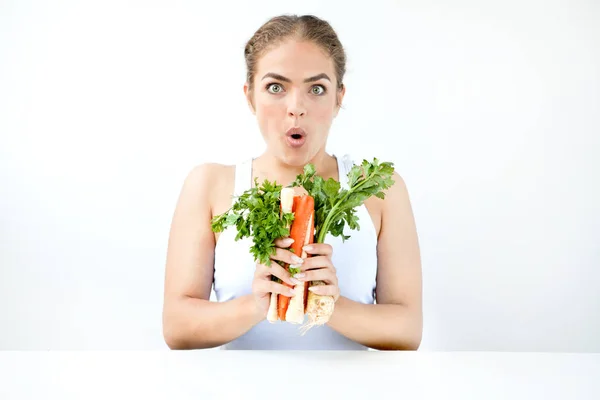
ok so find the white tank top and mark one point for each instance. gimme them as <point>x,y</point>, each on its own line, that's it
<point>355,261</point>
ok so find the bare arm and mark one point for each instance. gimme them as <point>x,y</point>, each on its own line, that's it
<point>395,322</point>
<point>190,319</point>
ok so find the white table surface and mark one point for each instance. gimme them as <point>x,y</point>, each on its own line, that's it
<point>298,375</point>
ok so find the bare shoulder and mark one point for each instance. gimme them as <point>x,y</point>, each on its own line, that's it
<point>206,180</point>
<point>397,196</point>
<point>384,209</point>
<point>216,183</point>
<point>191,242</point>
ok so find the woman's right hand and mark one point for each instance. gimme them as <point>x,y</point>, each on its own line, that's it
<point>263,285</point>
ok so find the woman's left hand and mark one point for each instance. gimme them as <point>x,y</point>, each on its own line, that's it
<point>319,267</point>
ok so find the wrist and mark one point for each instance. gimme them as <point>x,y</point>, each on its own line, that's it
<point>338,308</point>
<point>253,310</point>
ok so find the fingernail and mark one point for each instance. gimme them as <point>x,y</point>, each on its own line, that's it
<point>299,275</point>
<point>308,248</point>
<point>296,259</point>
<point>294,281</point>
<point>292,292</point>
<point>288,241</point>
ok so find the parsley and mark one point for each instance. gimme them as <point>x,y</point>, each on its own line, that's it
<point>294,270</point>
<point>257,213</point>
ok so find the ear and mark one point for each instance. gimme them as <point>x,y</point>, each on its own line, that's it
<point>248,95</point>
<point>340,98</point>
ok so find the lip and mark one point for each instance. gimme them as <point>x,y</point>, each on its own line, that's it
<point>296,130</point>
<point>295,142</point>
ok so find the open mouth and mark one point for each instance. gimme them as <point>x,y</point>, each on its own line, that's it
<point>296,137</point>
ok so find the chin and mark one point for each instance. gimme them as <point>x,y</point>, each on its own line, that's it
<point>296,158</point>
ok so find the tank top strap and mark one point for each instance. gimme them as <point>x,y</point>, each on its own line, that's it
<point>345,164</point>
<point>243,177</point>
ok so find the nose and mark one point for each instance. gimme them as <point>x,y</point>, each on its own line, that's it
<point>295,111</point>
<point>295,106</point>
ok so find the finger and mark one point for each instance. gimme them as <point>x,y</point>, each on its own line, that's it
<point>284,242</point>
<point>322,249</point>
<point>266,286</point>
<point>325,290</point>
<point>286,256</point>
<point>326,275</point>
<point>264,271</point>
<point>316,262</point>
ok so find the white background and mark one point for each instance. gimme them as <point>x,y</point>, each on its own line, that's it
<point>490,113</point>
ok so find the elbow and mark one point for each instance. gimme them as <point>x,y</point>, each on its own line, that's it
<point>411,333</point>
<point>175,342</point>
<point>174,332</point>
<point>402,342</point>
<point>411,343</point>
<point>407,332</point>
<point>414,335</point>
<point>173,335</point>
<point>179,333</point>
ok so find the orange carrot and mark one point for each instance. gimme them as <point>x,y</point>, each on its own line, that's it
<point>303,209</point>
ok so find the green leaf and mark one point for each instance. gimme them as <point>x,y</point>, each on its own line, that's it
<point>232,219</point>
<point>331,189</point>
<point>294,270</point>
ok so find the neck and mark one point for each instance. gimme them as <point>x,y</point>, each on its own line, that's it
<point>273,168</point>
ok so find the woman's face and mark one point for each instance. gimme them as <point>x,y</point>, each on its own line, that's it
<point>295,100</point>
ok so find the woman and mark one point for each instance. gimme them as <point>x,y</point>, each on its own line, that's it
<point>294,87</point>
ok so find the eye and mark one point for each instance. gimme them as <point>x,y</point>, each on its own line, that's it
<point>318,90</point>
<point>274,88</point>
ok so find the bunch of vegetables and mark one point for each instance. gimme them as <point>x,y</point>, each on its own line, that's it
<point>307,210</point>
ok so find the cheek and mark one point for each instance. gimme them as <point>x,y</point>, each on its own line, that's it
<point>323,113</point>
<point>268,114</point>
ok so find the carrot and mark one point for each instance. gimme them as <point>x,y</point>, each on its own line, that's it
<point>304,209</point>
<point>300,231</point>
<point>282,304</point>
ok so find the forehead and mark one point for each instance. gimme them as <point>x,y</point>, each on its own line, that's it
<point>295,60</point>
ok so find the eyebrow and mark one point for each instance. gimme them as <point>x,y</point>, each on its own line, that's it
<point>284,79</point>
